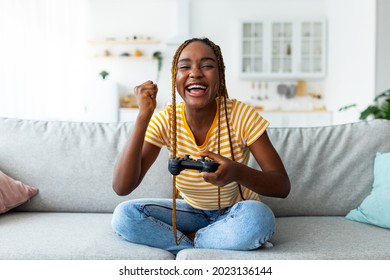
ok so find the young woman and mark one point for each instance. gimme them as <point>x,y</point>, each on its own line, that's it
<point>218,210</point>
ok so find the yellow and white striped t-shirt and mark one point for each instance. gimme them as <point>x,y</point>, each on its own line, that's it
<point>246,126</point>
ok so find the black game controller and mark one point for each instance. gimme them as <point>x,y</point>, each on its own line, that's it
<point>176,165</point>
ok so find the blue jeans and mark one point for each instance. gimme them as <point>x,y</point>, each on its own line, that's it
<point>244,226</point>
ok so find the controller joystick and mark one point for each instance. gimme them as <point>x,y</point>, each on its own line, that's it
<point>176,165</point>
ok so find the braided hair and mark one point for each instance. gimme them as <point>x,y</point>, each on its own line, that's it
<point>222,95</point>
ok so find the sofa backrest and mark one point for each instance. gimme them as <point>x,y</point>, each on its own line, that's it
<point>330,168</point>
<point>72,164</point>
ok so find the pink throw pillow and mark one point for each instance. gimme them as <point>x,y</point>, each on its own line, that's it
<point>13,193</point>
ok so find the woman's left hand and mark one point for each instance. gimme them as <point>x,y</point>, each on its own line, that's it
<point>225,173</point>
<point>272,180</point>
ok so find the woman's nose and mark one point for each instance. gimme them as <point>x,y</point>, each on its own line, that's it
<point>196,72</point>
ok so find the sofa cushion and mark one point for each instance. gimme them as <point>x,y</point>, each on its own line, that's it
<point>65,236</point>
<point>330,168</point>
<point>375,208</point>
<point>13,193</point>
<point>72,164</point>
<point>305,238</point>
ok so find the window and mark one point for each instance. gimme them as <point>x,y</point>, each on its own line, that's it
<point>42,58</point>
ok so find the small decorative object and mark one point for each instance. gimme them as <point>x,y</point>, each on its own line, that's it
<point>286,90</point>
<point>137,53</point>
<point>128,101</point>
<point>288,51</point>
<point>158,55</point>
<point>107,53</point>
<point>301,88</point>
<point>125,54</point>
<point>104,74</point>
<point>380,109</point>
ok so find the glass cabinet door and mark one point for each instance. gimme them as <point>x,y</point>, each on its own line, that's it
<point>282,47</point>
<point>311,47</point>
<point>252,48</point>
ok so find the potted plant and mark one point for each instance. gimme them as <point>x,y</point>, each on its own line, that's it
<point>380,109</point>
<point>104,74</point>
<point>158,55</point>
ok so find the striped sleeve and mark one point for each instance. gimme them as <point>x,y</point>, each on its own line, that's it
<point>157,132</point>
<point>250,124</point>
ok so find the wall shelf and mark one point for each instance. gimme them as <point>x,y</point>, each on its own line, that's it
<point>128,58</point>
<point>113,48</point>
<point>115,41</point>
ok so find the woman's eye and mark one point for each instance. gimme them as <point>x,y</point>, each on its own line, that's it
<point>207,66</point>
<point>184,67</point>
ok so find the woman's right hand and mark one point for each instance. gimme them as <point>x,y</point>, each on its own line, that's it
<point>146,98</point>
<point>138,155</point>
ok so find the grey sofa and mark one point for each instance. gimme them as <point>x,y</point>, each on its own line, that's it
<point>331,171</point>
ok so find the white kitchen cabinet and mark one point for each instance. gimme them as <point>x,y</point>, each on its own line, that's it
<point>297,118</point>
<point>128,114</point>
<point>292,49</point>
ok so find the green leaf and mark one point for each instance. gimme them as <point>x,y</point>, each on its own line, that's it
<point>158,55</point>
<point>383,94</point>
<point>344,108</point>
<point>370,111</point>
<point>386,109</point>
<point>104,74</point>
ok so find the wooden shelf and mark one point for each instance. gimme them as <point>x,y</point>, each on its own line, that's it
<point>130,58</point>
<point>123,41</point>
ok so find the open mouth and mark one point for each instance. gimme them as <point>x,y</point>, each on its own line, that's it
<point>196,89</point>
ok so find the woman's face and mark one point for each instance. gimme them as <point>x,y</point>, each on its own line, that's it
<point>197,76</point>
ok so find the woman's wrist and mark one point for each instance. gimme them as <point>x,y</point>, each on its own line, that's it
<point>144,117</point>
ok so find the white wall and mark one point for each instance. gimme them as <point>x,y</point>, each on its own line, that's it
<point>383,46</point>
<point>351,56</point>
<point>351,43</point>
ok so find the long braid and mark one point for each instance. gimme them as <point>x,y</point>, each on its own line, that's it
<point>224,93</point>
<point>221,94</point>
<point>174,137</point>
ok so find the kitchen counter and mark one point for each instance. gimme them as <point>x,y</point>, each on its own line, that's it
<point>277,118</point>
